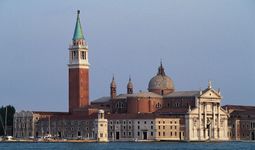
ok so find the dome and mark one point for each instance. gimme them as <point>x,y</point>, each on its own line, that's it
<point>161,83</point>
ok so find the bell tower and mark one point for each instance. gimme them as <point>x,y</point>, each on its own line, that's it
<point>113,87</point>
<point>78,69</point>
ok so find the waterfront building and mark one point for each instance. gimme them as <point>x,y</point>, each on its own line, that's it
<point>101,127</point>
<point>161,113</point>
<point>241,122</point>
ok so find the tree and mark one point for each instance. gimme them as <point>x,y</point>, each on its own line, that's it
<point>10,114</point>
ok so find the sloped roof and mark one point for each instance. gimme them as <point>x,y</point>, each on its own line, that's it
<point>184,94</point>
<point>102,99</point>
<point>122,96</point>
<point>145,94</point>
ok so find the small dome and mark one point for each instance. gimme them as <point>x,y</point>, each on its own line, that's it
<point>130,84</point>
<point>161,83</point>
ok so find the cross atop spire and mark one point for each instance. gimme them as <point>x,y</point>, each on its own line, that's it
<point>78,34</point>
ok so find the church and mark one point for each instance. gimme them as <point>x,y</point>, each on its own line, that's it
<point>160,114</point>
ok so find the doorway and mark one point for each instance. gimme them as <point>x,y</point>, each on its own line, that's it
<point>59,134</point>
<point>117,135</point>
<point>145,135</point>
<point>252,135</point>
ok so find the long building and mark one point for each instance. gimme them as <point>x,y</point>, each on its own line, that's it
<point>161,113</point>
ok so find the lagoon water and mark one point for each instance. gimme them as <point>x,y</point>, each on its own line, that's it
<point>129,146</point>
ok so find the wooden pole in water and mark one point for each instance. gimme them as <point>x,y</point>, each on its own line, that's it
<point>2,122</point>
<point>5,134</point>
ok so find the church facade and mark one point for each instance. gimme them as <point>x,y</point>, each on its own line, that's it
<point>161,113</point>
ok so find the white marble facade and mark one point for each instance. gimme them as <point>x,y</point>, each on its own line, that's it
<point>207,121</point>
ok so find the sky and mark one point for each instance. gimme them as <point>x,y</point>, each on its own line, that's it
<point>197,41</point>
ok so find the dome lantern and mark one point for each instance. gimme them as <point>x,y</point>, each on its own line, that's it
<point>161,83</point>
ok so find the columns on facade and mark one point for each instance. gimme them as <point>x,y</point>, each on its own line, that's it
<point>33,127</point>
<point>214,129</point>
<point>205,121</point>
<point>200,122</point>
<point>218,125</point>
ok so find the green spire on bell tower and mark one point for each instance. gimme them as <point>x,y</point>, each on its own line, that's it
<point>78,34</point>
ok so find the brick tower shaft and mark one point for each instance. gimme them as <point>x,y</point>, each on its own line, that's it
<point>78,70</point>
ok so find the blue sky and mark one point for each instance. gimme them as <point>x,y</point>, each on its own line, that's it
<point>197,40</point>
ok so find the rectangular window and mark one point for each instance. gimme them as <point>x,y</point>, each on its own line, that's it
<point>151,133</point>
<point>151,127</point>
<point>138,133</point>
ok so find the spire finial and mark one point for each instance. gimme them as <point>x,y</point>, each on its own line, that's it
<point>129,79</point>
<point>78,34</point>
<point>113,84</point>
<point>161,70</point>
<point>112,77</point>
<point>209,84</point>
<point>130,86</point>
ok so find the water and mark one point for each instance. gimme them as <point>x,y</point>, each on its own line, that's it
<point>129,146</point>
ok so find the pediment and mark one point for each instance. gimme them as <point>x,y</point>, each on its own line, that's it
<point>194,111</point>
<point>211,94</point>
